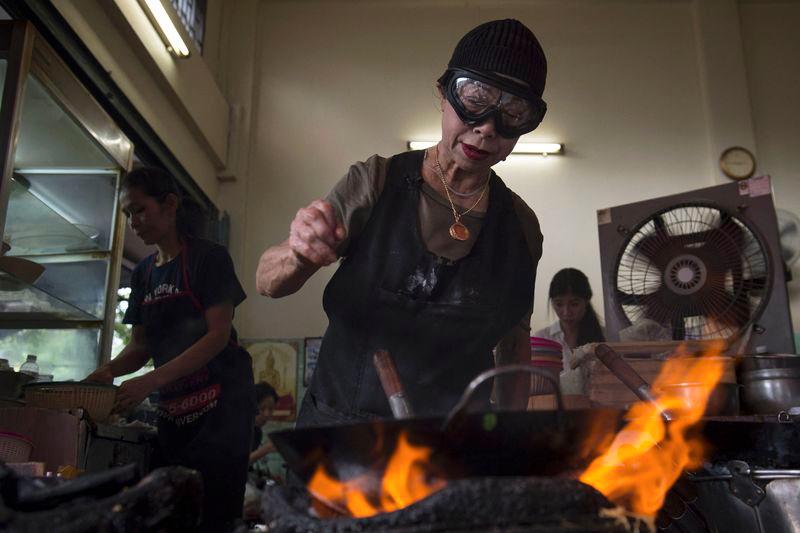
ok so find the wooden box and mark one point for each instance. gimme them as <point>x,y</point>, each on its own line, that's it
<point>604,388</point>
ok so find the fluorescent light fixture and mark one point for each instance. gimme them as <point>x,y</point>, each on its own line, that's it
<point>521,148</point>
<point>165,27</point>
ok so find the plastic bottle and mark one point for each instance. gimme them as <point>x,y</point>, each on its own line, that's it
<point>30,366</point>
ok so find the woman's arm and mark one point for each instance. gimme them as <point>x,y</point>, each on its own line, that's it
<point>261,451</point>
<point>282,272</point>
<point>513,390</point>
<point>314,235</point>
<point>132,357</point>
<point>218,320</point>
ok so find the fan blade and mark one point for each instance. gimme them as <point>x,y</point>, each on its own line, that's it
<point>661,227</point>
<point>625,298</point>
<point>650,305</point>
<point>754,284</point>
<point>655,242</point>
<point>729,309</point>
<point>678,326</point>
<point>727,241</point>
<point>660,252</point>
<point>731,229</point>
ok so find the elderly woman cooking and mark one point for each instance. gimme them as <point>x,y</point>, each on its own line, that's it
<point>439,256</point>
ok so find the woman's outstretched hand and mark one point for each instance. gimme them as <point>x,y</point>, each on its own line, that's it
<point>315,234</point>
<point>101,375</point>
<point>133,392</point>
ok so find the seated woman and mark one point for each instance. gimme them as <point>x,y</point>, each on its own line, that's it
<point>266,399</point>
<point>570,295</point>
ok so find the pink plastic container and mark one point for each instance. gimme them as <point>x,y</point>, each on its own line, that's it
<point>546,355</point>
<point>539,343</point>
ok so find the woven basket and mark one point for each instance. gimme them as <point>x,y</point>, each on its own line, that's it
<point>14,448</point>
<point>97,399</point>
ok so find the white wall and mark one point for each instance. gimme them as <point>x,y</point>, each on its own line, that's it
<point>643,93</point>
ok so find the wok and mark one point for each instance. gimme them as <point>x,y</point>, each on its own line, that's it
<point>505,443</point>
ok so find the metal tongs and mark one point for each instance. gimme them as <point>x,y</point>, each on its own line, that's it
<point>628,376</point>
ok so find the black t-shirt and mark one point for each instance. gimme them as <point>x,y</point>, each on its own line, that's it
<point>211,276</point>
<point>257,436</point>
<point>169,301</point>
<point>208,268</point>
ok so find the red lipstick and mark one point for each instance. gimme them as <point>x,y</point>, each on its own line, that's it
<point>473,152</point>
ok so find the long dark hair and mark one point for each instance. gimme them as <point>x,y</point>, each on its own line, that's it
<point>265,390</point>
<point>158,184</point>
<point>573,281</point>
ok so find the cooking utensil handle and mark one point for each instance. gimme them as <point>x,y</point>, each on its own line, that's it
<point>390,380</point>
<point>457,411</point>
<point>628,376</point>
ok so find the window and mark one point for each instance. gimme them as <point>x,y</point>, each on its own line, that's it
<point>193,17</point>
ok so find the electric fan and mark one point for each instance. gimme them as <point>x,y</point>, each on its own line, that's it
<point>702,265</point>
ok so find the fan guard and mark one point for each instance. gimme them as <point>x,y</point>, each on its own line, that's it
<point>695,268</point>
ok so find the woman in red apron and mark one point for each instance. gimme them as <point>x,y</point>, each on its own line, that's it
<point>181,308</point>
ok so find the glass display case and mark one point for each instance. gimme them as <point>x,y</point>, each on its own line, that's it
<point>62,158</point>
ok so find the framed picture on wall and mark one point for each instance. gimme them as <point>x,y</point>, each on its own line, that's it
<point>311,355</point>
<point>275,362</point>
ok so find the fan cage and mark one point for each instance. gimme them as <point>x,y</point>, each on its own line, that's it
<point>700,313</point>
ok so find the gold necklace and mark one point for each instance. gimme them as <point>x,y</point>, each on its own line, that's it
<point>459,231</point>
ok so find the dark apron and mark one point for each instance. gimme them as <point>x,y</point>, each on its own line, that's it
<point>439,319</point>
<point>205,418</point>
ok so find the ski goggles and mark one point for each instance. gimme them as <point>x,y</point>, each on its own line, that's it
<point>476,98</point>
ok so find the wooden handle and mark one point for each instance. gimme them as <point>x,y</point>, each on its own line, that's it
<point>629,377</point>
<point>387,372</point>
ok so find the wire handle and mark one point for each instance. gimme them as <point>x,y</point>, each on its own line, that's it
<point>460,407</point>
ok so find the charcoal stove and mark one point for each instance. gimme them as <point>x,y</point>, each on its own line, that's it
<point>511,471</point>
<point>509,504</point>
<point>749,483</point>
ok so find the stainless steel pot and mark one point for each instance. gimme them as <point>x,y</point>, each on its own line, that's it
<point>770,390</point>
<point>748,363</point>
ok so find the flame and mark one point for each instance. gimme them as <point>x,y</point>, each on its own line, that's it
<point>405,480</point>
<point>647,456</point>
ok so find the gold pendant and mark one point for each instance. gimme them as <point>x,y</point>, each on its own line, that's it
<point>459,231</point>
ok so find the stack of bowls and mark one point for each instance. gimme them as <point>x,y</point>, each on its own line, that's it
<point>546,355</point>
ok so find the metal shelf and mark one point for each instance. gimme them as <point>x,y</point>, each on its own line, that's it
<point>24,305</point>
<point>33,228</point>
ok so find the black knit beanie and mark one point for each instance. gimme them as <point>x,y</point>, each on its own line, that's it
<point>504,46</point>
